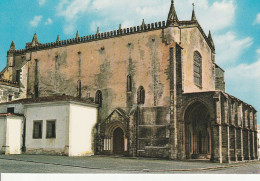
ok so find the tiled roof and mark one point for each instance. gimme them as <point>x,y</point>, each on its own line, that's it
<point>9,114</point>
<point>50,99</point>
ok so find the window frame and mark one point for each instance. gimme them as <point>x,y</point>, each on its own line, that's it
<point>40,130</point>
<point>129,83</point>
<point>53,134</point>
<point>141,95</point>
<point>197,69</point>
<point>99,98</point>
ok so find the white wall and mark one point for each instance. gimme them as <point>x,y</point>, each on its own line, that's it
<point>82,122</point>
<point>44,113</point>
<point>14,130</point>
<point>18,108</point>
<point>2,133</point>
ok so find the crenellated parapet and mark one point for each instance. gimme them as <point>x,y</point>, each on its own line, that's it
<point>9,83</point>
<point>36,46</point>
<point>95,37</point>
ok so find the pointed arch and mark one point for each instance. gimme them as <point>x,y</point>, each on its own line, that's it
<point>141,95</point>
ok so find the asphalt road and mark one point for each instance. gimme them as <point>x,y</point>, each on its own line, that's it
<point>99,164</point>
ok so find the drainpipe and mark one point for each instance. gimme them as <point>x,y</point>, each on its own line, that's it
<point>24,133</point>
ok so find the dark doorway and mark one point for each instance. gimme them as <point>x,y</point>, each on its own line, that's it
<point>118,141</point>
<point>198,135</point>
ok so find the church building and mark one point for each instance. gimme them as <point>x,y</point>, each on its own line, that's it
<point>159,90</point>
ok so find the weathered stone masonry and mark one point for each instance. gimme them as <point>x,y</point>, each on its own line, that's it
<point>156,97</point>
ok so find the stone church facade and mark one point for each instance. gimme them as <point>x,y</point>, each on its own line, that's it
<point>159,90</point>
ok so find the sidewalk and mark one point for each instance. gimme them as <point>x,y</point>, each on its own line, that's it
<point>123,163</point>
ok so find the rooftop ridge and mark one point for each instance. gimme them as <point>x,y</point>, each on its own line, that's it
<point>106,35</point>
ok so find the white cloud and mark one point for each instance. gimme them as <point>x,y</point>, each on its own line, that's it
<point>36,20</point>
<point>229,47</point>
<point>48,22</point>
<point>41,2</point>
<point>257,20</point>
<point>110,13</point>
<point>71,10</point>
<point>258,52</point>
<point>243,81</point>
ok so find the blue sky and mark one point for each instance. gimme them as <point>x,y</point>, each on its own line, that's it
<point>235,25</point>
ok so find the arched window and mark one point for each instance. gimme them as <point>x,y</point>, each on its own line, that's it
<point>141,95</point>
<point>129,83</point>
<point>79,88</point>
<point>197,68</point>
<point>98,98</point>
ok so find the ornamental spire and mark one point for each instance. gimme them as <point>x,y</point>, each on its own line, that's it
<point>35,40</point>
<point>58,39</point>
<point>12,47</point>
<point>193,17</point>
<point>211,40</point>
<point>77,34</point>
<point>172,16</point>
<point>143,24</point>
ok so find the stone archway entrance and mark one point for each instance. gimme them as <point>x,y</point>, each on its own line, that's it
<point>118,141</point>
<point>197,131</point>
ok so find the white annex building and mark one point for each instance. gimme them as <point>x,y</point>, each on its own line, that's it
<point>62,125</point>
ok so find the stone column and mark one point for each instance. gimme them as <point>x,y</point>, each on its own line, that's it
<point>256,146</point>
<point>240,132</point>
<point>217,131</point>
<point>233,144</point>
<point>225,144</point>
<point>173,110</point>
<point>249,145</point>
<point>217,144</point>
<point>132,145</point>
<point>252,145</point>
<point>240,149</point>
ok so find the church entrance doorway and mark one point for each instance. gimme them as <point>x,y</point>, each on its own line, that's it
<point>197,132</point>
<point>118,141</point>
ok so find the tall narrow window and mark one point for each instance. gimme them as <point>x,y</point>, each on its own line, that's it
<point>197,68</point>
<point>18,76</point>
<point>79,88</point>
<point>37,129</point>
<point>141,95</point>
<point>98,98</point>
<point>129,83</point>
<point>51,129</point>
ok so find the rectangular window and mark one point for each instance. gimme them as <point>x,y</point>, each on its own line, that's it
<point>37,129</point>
<point>10,110</point>
<point>51,129</point>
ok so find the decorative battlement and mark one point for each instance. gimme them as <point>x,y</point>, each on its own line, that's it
<point>8,82</point>
<point>94,37</point>
<point>106,35</point>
